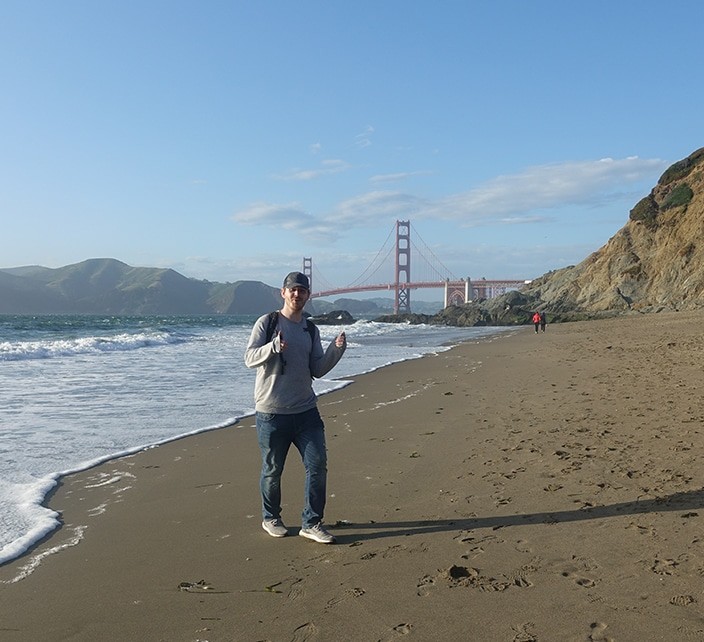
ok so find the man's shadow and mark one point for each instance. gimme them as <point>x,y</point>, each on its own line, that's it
<point>350,532</point>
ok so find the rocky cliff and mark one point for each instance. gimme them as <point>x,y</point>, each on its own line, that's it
<point>655,262</point>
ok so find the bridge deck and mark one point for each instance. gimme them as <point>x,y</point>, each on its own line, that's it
<point>417,285</point>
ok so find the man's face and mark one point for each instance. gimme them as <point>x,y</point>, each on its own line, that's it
<point>295,298</point>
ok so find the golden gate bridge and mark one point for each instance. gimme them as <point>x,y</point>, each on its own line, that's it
<point>404,252</point>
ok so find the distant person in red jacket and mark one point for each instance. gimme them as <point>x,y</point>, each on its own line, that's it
<point>536,321</point>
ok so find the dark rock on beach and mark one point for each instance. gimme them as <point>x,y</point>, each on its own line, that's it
<point>411,318</point>
<point>335,317</point>
<point>468,315</point>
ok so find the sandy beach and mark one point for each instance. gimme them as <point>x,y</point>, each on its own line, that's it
<point>524,488</point>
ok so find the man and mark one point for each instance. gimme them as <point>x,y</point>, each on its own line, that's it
<point>286,406</point>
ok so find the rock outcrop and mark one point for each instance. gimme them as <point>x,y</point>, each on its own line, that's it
<point>334,317</point>
<point>655,262</point>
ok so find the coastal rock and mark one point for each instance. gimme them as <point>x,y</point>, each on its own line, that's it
<point>654,263</point>
<point>413,319</point>
<point>335,317</point>
<point>469,315</point>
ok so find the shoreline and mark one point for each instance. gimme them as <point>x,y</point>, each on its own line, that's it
<point>27,520</point>
<point>523,487</point>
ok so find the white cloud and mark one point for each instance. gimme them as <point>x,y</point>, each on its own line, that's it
<point>507,261</point>
<point>513,197</point>
<point>328,167</point>
<point>399,176</point>
<point>291,217</point>
<point>370,208</point>
<point>364,139</point>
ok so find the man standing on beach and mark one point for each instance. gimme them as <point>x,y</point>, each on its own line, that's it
<point>286,406</point>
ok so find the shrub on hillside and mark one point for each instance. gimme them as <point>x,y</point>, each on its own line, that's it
<point>682,168</point>
<point>681,195</point>
<point>645,211</point>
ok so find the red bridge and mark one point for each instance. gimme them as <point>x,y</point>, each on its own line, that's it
<point>457,291</point>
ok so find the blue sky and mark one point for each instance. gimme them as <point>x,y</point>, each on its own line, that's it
<point>228,140</point>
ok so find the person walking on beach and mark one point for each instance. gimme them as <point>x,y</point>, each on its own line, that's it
<point>286,406</point>
<point>543,321</point>
<point>536,321</point>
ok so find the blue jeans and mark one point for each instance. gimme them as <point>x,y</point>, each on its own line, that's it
<point>306,432</point>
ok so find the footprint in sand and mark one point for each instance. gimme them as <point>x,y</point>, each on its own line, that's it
<point>424,585</point>
<point>642,530</point>
<point>400,629</point>
<point>296,591</point>
<point>580,581</point>
<point>519,577</point>
<point>520,580</point>
<point>348,594</point>
<point>304,632</point>
<point>472,553</point>
<point>664,567</point>
<point>598,633</point>
<point>523,546</point>
<point>523,633</point>
<point>683,600</point>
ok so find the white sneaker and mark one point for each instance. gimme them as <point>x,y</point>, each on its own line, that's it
<point>318,534</point>
<point>275,527</point>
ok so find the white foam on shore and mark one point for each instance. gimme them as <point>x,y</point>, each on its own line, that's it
<point>47,520</point>
<point>35,560</point>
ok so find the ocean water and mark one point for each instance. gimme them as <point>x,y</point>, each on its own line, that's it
<point>76,391</point>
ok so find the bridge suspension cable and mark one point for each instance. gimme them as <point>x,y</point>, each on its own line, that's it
<point>440,271</point>
<point>377,263</point>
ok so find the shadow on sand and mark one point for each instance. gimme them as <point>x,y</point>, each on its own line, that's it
<point>688,502</point>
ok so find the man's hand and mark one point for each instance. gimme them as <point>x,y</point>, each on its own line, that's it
<point>341,340</point>
<point>279,343</point>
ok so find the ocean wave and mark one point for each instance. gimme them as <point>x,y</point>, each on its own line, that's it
<point>74,346</point>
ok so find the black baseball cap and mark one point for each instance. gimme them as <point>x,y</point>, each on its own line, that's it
<point>297,280</point>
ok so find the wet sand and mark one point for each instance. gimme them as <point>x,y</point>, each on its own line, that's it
<point>530,487</point>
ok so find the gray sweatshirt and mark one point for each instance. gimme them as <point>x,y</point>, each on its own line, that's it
<point>284,381</point>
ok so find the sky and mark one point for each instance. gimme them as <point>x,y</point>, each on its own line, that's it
<point>228,140</point>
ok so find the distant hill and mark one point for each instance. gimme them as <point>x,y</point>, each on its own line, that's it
<point>108,286</point>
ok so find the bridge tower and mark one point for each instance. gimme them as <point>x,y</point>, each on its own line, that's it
<point>402,304</point>
<point>308,270</point>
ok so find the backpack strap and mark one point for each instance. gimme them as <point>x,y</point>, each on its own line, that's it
<point>310,326</point>
<point>271,321</point>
